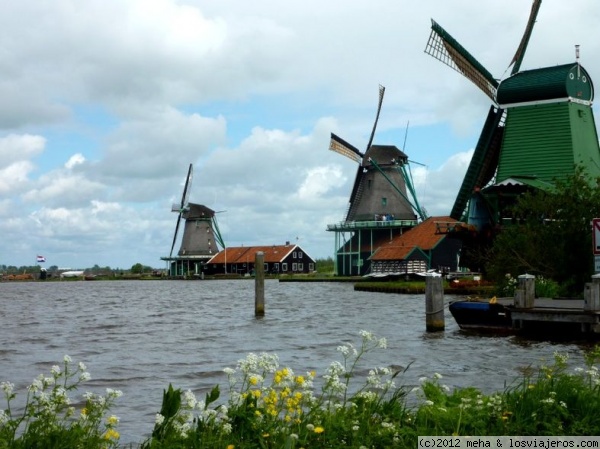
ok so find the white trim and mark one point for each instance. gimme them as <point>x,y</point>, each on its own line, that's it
<point>553,100</point>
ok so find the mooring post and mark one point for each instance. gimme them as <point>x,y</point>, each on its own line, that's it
<point>591,295</point>
<point>259,284</point>
<point>525,292</point>
<point>434,304</point>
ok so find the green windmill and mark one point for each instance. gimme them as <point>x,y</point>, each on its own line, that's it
<point>539,127</point>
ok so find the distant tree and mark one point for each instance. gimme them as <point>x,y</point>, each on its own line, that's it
<point>554,235</point>
<point>138,268</point>
<point>325,265</point>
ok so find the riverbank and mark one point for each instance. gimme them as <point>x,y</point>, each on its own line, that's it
<point>271,406</point>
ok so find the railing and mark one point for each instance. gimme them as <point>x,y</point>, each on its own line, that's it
<point>379,224</point>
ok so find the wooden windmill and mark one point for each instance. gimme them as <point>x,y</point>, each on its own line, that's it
<point>382,179</point>
<point>383,201</point>
<point>201,236</point>
<point>539,127</point>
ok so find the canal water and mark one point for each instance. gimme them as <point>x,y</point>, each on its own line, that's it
<point>139,336</point>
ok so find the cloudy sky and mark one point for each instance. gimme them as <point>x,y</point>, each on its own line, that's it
<point>105,103</point>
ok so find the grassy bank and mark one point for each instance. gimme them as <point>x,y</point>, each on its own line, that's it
<point>269,406</point>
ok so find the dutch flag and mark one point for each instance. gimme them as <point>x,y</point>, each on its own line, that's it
<point>41,259</point>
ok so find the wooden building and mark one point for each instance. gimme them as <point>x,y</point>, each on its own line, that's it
<point>419,249</point>
<point>278,259</point>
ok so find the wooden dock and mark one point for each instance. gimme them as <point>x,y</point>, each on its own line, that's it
<point>568,316</point>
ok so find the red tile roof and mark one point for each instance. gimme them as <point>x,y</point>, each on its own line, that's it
<point>240,254</point>
<point>422,236</point>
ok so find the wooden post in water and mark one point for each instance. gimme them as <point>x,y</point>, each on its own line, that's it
<point>259,284</point>
<point>434,304</point>
<point>591,295</point>
<point>525,292</point>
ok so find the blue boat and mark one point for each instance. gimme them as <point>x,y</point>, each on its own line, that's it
<point>479,315</point>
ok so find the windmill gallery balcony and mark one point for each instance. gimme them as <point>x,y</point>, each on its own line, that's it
<point>346,226</point>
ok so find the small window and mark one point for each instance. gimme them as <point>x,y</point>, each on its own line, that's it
<point>311,267</point>
<point>266,266</point>
<point>284,266</point>
<point>300,255</point>
<point>300,267</point>
<point>294,267</point>
<point>384,201</point>
<point>294,255</point>
<point>276,267</point>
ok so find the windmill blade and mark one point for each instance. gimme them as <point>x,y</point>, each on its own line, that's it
<point>187,188</point>
<point>342,147</point>
<point>381,93</point>
<point>175,235</point>
<point>445,48</point>
<point>518,58</point>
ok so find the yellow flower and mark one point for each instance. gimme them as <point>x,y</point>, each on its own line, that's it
<point>300,380</point>
<point>84,412</point>
<point>256,393</point>
<point>111,434</point>
<point>253,380</point>
<point>112,420</point>
<point>319,429</point>
<point>265,435</point>
<point>230,446</point>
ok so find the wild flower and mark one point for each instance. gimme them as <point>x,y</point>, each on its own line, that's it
<point>48,411</point>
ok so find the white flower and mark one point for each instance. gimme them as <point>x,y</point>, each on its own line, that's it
<point>113,393</point>
<point>7,387</point>
<point>67,359</point>
<point>229,371</point>
<point>437,375</point>
<point>190,399</point>
<point>227,428</point>
<point>85,376</point>
<point>428,402</point>
<point>159,419</point>
<point>366,335</point>
<point>310,427</point>
<point>82,366</point>
<point>55,370</point>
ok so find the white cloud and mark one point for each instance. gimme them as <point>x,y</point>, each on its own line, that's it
<point>105,103</point>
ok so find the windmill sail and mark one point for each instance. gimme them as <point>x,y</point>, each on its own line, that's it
<point>184,200</point>
<point>339,145</point>
<point>518,58</point>
<point>443,47</point>
<point>381,93</point>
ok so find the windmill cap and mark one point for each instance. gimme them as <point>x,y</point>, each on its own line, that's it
<point>549,83</point>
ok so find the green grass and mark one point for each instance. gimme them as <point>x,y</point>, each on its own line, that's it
<point>269,406</point>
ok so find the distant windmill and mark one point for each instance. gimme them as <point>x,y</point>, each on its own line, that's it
<point>201,236</point>
<point>539,127</point>
<point>383,202</point>
<point>382,179</point>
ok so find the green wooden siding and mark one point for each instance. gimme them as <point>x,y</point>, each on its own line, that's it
<point>547,140</point>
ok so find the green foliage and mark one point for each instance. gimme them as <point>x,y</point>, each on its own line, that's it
<point>553,238</point>
<point>48,419</point>
<point>325,266</point>
<point>272,407</point>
